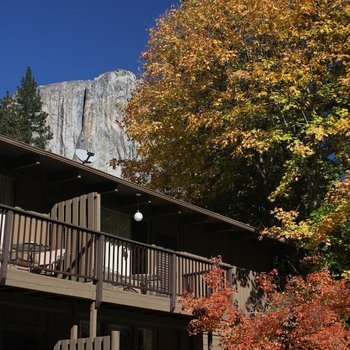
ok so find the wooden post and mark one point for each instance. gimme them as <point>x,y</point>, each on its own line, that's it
<point>229,278</point>
<point>229,273</point>
<point>6,246</point>
<point>99,267</point>
<point>115,340</point>
<point>93,320</point>
<point>74,332</point>
<point>210,340</point>
<point>173,283</point>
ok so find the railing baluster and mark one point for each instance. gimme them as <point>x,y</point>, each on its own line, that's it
<point>20,237</point>
<point>173,283</point>
<point>34,227</point>
<point>124,269</point>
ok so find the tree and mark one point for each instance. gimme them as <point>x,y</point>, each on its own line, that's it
<point>310,314</point>
<point>9,121</point>
<point>22,116</point>
<point>244,107</point>
<point>33,119</point>
<point>326,232</point>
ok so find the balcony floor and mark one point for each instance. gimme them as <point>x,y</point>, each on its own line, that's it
<point>20,278</point>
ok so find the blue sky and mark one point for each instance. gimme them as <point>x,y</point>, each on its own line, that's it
<point>73,39</point>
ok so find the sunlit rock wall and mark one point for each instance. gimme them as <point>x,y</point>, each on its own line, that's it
<point>84,114</point>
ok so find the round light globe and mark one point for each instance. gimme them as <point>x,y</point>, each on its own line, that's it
<point>138,216</point>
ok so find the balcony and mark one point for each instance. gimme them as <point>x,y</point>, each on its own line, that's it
<point>47,255</point>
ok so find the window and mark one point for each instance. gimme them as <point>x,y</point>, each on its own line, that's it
<point>19,339</point>
<point>6,190</point>
<point>145,339</point>
<point>115,223</point>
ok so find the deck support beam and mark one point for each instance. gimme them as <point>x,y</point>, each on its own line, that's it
<point>93,320</point>
<point>74,332</point>
<point>99,267</point>
<point>6,246</point>
<point>115,340</point>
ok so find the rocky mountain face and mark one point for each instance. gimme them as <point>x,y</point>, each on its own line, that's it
<point>85,114</point>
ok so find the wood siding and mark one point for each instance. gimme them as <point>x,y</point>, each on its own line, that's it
<point>83,211</point>
<point>44,321</point>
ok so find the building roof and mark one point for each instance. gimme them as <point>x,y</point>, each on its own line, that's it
<point>14,153</point>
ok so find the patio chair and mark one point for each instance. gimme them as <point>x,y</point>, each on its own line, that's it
<point>49,262</point>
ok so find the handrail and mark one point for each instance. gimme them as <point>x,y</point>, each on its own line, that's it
<point>201,258</point>
<point>77,227</point>
<point>92,231</point>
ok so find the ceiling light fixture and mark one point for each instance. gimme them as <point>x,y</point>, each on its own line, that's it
<point>138,215</point>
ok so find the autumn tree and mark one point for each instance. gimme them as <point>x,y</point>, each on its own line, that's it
<point>244,108</point>
<point>22,117</point>
<point>310,314</point>
<point>326,233</point>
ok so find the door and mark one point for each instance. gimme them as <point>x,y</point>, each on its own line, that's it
<point>139,254</point>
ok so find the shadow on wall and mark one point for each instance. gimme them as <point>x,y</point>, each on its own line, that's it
<point>247,290</point>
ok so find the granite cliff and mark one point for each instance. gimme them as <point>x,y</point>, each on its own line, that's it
<point>84,114</point>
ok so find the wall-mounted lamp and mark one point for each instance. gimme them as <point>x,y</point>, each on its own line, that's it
<point>138,215</point>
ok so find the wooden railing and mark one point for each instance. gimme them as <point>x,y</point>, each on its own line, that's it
<point>98,343</point>
<point>42,245</point>
<point>47,246</point>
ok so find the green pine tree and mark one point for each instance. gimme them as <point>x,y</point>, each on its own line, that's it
<point>9,117</point>
<point>21,116</point>
<point>32,119</point>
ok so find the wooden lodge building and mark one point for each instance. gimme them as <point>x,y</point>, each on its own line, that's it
<point>74,264</point>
